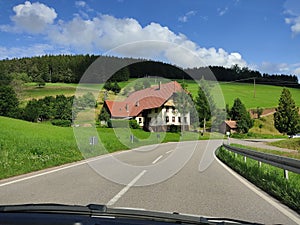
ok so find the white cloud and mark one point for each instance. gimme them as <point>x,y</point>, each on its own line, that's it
<point>187,16</point>
<point>80,3</point>
<point>222,11</point>
<point>33,18</point>
<point>106,32</point>
<point>295,24</point>
<point>292,10</point>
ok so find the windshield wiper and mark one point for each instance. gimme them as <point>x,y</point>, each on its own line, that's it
<point>98,211</point>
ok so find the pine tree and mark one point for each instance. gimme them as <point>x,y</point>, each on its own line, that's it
<point>286,117</point>
<point>241,116</point>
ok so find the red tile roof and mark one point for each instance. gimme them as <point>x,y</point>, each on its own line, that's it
<point>231,123</point>
<point>138,101</point>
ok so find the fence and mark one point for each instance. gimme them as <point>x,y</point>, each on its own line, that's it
<point>285,163</point>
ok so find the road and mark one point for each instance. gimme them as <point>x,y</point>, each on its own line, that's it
<point>161,178</point>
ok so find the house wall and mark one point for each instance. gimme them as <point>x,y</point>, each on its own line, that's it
<point>158,117</point>
<point>140,120</point>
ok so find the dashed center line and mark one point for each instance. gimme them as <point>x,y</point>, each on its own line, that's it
<point>156,160</point>
<point>169,151</point>
<point>125,189</point>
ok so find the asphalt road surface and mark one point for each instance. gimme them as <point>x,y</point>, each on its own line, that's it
<point>175,177</point>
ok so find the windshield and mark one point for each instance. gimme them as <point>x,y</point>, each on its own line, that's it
<point>153,105</point>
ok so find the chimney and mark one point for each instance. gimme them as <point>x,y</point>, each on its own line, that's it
<point>137,104</point>
<point>159,84</point>
<point>127,107</point>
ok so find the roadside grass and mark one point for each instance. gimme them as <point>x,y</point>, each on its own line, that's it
<point>295,155</point>
<point>267,177</point>
<point>293,143</point>
<point>27,147</point>
<point>251,135</point>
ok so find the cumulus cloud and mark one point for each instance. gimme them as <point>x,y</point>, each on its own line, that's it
<point>33,18</point>
<point>106,32</point>
<point>292,10</point>
<point>295,24</point>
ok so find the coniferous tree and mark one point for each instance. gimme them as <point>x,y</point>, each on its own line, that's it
<point>286,117</point>
<point>241,116</point>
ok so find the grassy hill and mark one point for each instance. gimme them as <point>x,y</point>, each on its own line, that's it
<point>28,146</point>
<point>266,96</point>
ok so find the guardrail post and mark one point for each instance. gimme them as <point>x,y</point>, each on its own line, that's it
<point>286,174</point>
<point>259,164</point>
<point>235,155</point>
<point>245,159</point>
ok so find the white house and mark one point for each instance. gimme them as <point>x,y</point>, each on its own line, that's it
<point>153,108</point>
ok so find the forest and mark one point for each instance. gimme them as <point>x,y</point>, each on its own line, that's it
<point>70,69</point>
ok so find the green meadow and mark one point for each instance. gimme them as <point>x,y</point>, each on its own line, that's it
<point>266,96</point>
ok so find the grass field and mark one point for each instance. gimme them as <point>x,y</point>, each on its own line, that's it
<point>266,96</point>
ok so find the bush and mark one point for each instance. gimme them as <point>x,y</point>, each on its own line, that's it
<point>61,123</point>
<point>133,124</point>
<point>175,129</point>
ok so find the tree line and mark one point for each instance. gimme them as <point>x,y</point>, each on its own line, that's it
<point>70,69</point>
<point>60,110</point>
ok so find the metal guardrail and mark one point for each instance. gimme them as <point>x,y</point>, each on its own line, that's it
<point>288,164</point>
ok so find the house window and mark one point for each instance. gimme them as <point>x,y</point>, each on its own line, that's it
<point>167,119</point>
<point>167,109</point>
<point>173,119</point>
<point>140,120</point>
<point>179,119</point>
<point>185,119</point>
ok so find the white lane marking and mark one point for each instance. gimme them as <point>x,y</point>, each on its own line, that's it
<point>126,188</point>
<point>169,151</point>
<point>156,160</point>
<point>251,186</point>
<point>55,170</point>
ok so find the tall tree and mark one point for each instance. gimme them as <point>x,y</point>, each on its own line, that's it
<point>242,116</point>
<point>203,109</point>
<point>8,101</point>
<point>286,117</point>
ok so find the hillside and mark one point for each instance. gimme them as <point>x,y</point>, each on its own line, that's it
<point>26,147</point>
<point>266,96</point>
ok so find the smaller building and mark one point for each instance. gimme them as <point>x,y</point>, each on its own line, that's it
<point>228,126</point>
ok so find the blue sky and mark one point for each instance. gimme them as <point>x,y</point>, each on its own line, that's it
<point>261,34</point>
